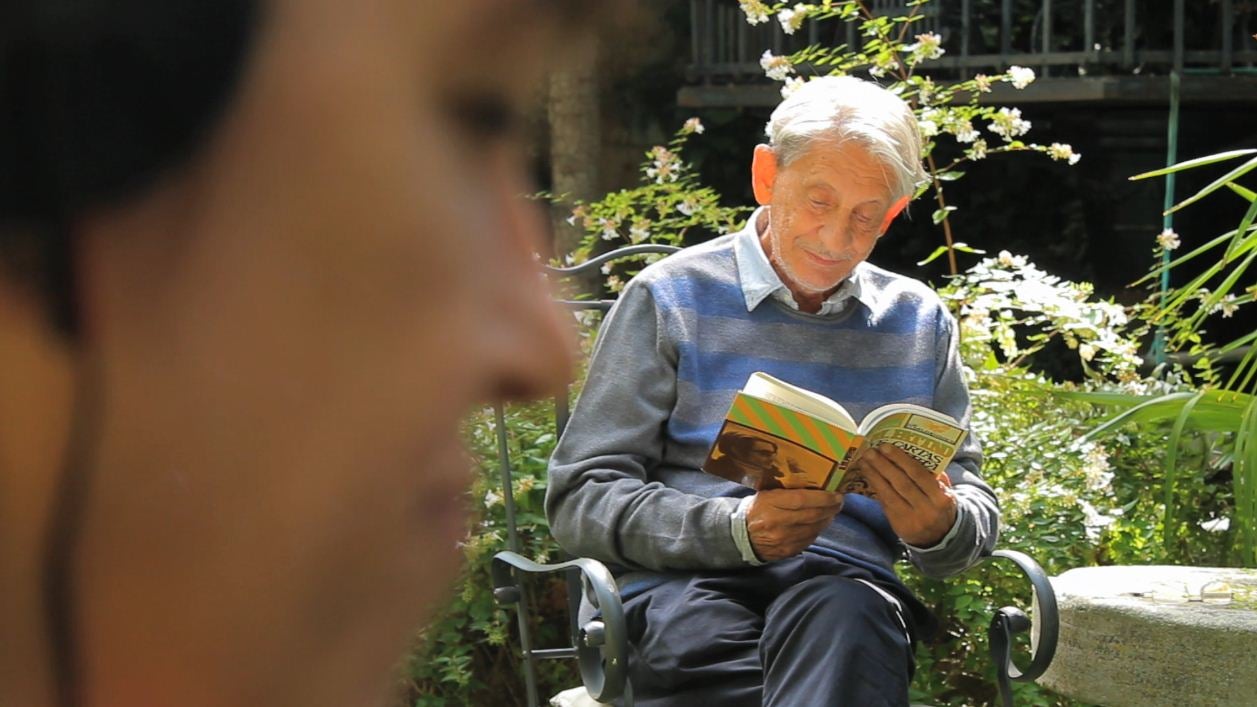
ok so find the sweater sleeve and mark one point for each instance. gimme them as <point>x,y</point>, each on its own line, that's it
<point>600,500</point>
<point>976,530</point>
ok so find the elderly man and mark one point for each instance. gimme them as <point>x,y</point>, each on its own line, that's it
<point>787,596</point>
<point>257,259</point>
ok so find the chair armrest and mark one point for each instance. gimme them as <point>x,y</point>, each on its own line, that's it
<point>601,644</point>
<point>1010,620</point>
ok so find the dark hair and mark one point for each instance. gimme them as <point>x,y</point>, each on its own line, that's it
<point>98,98</point>
<point>738,444</point>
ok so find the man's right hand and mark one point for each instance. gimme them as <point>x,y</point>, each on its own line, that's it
<point>782,522</point>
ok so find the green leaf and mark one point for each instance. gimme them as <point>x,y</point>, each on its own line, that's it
<point>1251,196</point>
<point>1240,240</point>
<point>1169,526</point>
<point>1216,185</point>
<point>1198,162</point>
<point>940,215</point>
<point>950,176</point>
<point>938,252</point>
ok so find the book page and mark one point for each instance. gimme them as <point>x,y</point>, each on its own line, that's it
<point>929,436</point>
<point>765,387</point>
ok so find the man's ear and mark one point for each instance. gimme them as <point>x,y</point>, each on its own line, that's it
<point>894,210</point>
<point>763,174</point>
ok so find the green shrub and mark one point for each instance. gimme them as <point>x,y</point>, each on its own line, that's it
<point>469,655</point>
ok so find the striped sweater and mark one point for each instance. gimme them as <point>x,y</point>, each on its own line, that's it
<point>625,485</point>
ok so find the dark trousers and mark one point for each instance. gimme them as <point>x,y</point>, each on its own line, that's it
<point>794,633</point>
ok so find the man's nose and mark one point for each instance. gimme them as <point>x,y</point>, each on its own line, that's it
<point>835,236</point>
<point>530,341</point>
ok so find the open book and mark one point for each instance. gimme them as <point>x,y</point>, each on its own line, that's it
<point>778,435</point>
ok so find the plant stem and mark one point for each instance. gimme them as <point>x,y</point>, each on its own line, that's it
<point>942,204</point>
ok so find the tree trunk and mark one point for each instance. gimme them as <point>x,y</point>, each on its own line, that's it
<point>575,142</point>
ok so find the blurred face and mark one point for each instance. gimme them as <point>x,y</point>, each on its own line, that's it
<point>827,209</point>
<point>288,336</point>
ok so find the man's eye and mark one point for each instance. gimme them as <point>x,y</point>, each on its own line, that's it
<point>485,116</point>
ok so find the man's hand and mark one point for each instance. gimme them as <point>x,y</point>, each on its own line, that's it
<point>919,505</point>
<point>781,522</point>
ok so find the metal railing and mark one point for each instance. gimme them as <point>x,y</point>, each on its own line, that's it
<point>1056,37</point>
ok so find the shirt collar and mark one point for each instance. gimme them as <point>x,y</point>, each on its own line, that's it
<point>760,281</point>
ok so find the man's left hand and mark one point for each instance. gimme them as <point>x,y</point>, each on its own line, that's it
<point>919,504</point>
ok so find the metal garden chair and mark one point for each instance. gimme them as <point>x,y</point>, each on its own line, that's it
<point>600,644</point>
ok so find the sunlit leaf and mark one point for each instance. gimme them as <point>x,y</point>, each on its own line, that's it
<point>1198,162</point>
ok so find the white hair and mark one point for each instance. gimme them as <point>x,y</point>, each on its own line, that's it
<point>836,109</point>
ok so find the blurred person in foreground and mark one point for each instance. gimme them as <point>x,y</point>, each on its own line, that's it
<point>257,259</point>
<point>782,596</point>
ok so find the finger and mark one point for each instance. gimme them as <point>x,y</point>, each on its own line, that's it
<point>925,479</point>
<point>895,476</point>
<point>799,499</point>
<point>797,517</point>
<point>885,492</point>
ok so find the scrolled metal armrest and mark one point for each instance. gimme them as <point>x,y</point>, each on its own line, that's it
<point>603,662</point>
<point>1009,621</point>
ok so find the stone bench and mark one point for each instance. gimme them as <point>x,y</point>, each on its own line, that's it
<point>1156,635</point>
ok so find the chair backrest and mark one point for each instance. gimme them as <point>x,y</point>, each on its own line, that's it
<point>575,589</point>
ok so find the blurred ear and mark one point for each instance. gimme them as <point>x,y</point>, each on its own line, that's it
<point>763,174</point>
<point>894,210</point>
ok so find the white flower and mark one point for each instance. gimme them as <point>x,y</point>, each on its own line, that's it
<point>492,498</point>
<point>755,11</point>
<point>1008,124</point>
<point>686,207</point>
<point>881,64</point>
<point>927,46</point>
<point>792,84</point>
<point>977,151</point>
<point>1216,525</point>
<point>1006,259</point>
<point>983,83</point>
<point>965,132</point>
<point>1020,76</point>
<point>1094,520</point>
<point>693,126</point>
<point>586,318</point>
<point>606,268</point>
<point>1228,305</point>
<point>792,19</point>
<point>666,167</point>
<point>638,233</point>
<point>777,68</point>
<point>1095,468</point>
<point>929,122</point>
<point>1168,239</point>
<point>1062,152</point>
<point>609,229</point>
<point>1087,351</point>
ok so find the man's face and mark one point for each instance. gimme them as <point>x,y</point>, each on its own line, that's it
<point>827,210</point>
<point>278,483</point>
<point>762,454</point>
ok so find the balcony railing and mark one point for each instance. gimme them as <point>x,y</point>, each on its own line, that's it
<point>1062,38</point>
